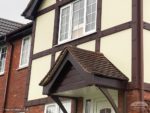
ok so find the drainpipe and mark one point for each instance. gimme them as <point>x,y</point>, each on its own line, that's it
<point>8,77</point>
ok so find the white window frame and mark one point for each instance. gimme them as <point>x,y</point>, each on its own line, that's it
<point>1,73</point>
<point>53,104</point>
<point>25,65</point>
<point>70,22</point>
<point>57,107</point>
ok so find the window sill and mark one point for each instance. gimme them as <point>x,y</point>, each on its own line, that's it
<point>2,74</point>
<point>22,67</point>
<point>71,40</point>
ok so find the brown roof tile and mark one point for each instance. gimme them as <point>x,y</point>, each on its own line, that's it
<point>91,62</point>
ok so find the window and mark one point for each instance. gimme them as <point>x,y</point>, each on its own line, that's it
<point>54,108</point>
<point>88,106</point>
<point>77,19</point>
<point>3,50</point>
<point>51,109</point>
<point>25,52</point>
<point>106,110</point>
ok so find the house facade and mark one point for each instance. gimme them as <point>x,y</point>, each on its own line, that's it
<point>15,41</point>
<point>87,56</point>
<point>117,29</point>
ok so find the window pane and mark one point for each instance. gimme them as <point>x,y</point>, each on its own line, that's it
<point>88,106</point>
<point>64,24</point>
<point>51,109</point>
<point>90,15</point>
<point>78,19</point>
<point>2,58</point>
<point>25,51</point>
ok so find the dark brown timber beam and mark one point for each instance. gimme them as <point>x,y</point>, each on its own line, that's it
<point>57,100</point>
<point>110,99</point>
<point>137,46</point>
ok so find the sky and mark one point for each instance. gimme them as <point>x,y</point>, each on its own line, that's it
<point>12,10</point>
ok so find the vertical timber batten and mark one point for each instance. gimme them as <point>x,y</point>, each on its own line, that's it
<point>137,46</point>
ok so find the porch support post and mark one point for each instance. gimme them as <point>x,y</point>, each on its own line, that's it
<point>110,99</point>
<point>57,100</point>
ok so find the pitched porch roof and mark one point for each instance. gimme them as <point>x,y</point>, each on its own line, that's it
<point>93,66</point>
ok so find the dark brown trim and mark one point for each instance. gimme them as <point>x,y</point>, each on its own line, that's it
<point>20,33</point>
<point>116,29</point>
<point>99,14</point>
<point>52,59</point>
<point>38,102</point>
<point>84,39</point>
<point>109,83</point>
<point>57,100</point>
<point>137,46</point>
<point>56,26</point>
<point>97,45</point>
<point>30,62</point>
<point>41,54</point>
<point>147,26</point>
<point>42,101</point>
<point>46,10</point>
<point>109,98</point>
<point>147,86</point>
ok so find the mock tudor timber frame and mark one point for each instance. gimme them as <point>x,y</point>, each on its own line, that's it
<point>95,36</point>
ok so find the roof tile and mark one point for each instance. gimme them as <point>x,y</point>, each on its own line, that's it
<point>91,62</point>
<point>7,26</point>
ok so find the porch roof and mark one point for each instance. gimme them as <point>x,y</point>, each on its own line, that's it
<point>91,62</point>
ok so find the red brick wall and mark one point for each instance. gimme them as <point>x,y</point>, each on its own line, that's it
<point>147,95</point>
<point>2,90</point>
<point>17,81</point>
<point>132,96</point>
<point>36,109</point>
<point>4,78</point>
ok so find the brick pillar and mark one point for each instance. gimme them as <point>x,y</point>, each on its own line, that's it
<point>132,97</point>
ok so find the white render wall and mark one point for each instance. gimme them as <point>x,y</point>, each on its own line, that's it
<point>39,69</point>
<point>115,12</point>
<point>146,10</point>
<point>146,44</point>
<point>44,32</point>
<point>117,48</point>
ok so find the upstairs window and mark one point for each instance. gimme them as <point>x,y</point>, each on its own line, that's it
<point>25,52</point>
<point>3,50</point>
<point>77,19</point>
